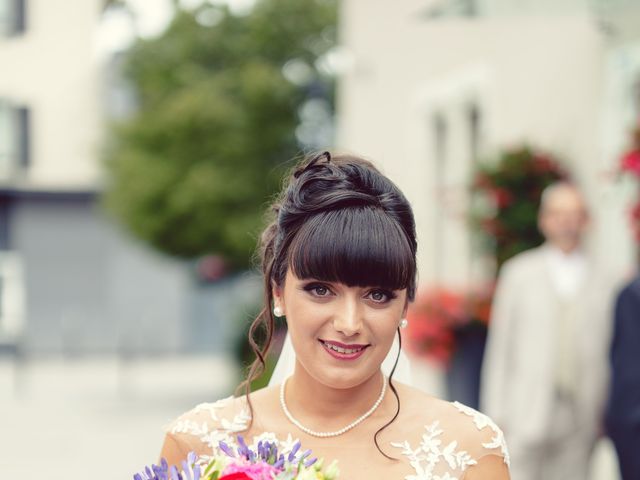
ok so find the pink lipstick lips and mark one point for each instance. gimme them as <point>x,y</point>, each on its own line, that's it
<point>343,351</point>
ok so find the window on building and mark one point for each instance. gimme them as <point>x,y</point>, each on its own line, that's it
<point>440,137</point>
<point>5,221</point>
<point>440,133</point>
<point>12,304</point>
<point>1,302</point>
<point>6,139</point>
<point>22,118</point>
<point>635,95</point>
<point>473,120</point>
<point>15,130</point>
<point>452,8</point>
<point>13,17</point>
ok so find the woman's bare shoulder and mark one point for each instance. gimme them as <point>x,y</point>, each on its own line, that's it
<point>420,405</point>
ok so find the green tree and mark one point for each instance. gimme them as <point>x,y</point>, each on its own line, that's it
<point>192,170</point>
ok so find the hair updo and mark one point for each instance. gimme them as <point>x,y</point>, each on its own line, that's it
<point>337,219</point>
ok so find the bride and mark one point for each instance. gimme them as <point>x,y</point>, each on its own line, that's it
<point>339,263</point>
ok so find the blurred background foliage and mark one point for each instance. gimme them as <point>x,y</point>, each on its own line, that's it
<point>218,101</point>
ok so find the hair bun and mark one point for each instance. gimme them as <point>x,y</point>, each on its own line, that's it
<point>323,183</point>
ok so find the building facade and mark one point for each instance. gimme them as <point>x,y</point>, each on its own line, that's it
<point>430,88</point>
<point>70,280</point>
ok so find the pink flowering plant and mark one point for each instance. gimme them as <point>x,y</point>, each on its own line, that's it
<point>241,462</point>
<point>630,164</point>
<point>439,315</point>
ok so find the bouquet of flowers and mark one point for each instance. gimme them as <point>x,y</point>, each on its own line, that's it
<point>261,462</point>
<point>437,316</point>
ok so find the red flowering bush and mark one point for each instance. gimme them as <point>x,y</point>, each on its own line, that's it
<point>630,163</point>
<point>437,314</point>
<point>507,196</point>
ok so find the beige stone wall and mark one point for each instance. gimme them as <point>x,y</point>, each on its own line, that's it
<point>54,71</point>
<point>538,79</point>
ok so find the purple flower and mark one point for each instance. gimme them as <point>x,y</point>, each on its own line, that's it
<point>226,449</point>
<point>294,450</point>
<point>154,472</point>
<point>189,469</point>
<point>245,451</point>
<point>280,462</point>
<point>175,475</point>
<point>162,471</point>
<point>305,454</point>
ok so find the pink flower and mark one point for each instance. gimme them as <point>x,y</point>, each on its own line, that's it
<point>635,211</point>
<point>252,471</point>
<point>635,220</point>
<point>502,197</point>
<point>543,164</point>
<point>631,162</point>
<point>482,181</point>
<point>492,226</point>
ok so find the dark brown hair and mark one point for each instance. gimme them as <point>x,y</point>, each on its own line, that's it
<point>338,219</point>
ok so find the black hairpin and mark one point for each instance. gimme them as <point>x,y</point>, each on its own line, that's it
<point>314,161</point>
<point>326,155</point>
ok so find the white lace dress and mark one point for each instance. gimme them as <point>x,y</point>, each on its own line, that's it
<point>444,449</point>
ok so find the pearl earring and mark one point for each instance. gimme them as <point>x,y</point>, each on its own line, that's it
<point>403,323</point>
<point>277,311</point>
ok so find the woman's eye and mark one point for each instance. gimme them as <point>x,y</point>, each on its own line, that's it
<point>318,290</point>
<point>321,291</point>
<point>379,296</point>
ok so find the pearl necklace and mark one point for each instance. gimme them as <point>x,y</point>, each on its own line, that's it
<point>353,424</point>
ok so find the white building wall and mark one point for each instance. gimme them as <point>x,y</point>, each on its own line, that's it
<point>620,112</point>
<point>54,71</point>
<point>537,79</point>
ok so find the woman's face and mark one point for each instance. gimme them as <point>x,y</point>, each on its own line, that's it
<point>340,334</point>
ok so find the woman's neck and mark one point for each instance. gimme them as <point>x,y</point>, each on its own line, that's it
<point>316,404</point>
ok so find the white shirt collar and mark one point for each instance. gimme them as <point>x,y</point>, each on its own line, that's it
<point>567,271</point>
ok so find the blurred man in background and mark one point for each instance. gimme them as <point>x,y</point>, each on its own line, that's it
<point>545,371</point>
<point>623,413</point>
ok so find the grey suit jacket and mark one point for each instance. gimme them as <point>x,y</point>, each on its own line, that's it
<point>518,372</point>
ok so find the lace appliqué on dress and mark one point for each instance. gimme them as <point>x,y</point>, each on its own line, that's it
<point>432,460</point>
<point>431,455</point>
<point>482,421</point>
<point>215,429</point>
<point>221,429</point>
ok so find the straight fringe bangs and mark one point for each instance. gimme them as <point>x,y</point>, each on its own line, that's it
<point>358,246</point>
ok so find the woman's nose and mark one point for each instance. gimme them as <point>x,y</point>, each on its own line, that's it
<point>348,319</point>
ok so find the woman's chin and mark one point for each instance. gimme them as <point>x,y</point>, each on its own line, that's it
<point>343,376</point>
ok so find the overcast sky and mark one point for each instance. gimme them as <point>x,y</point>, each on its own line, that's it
<point>117,29</point>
